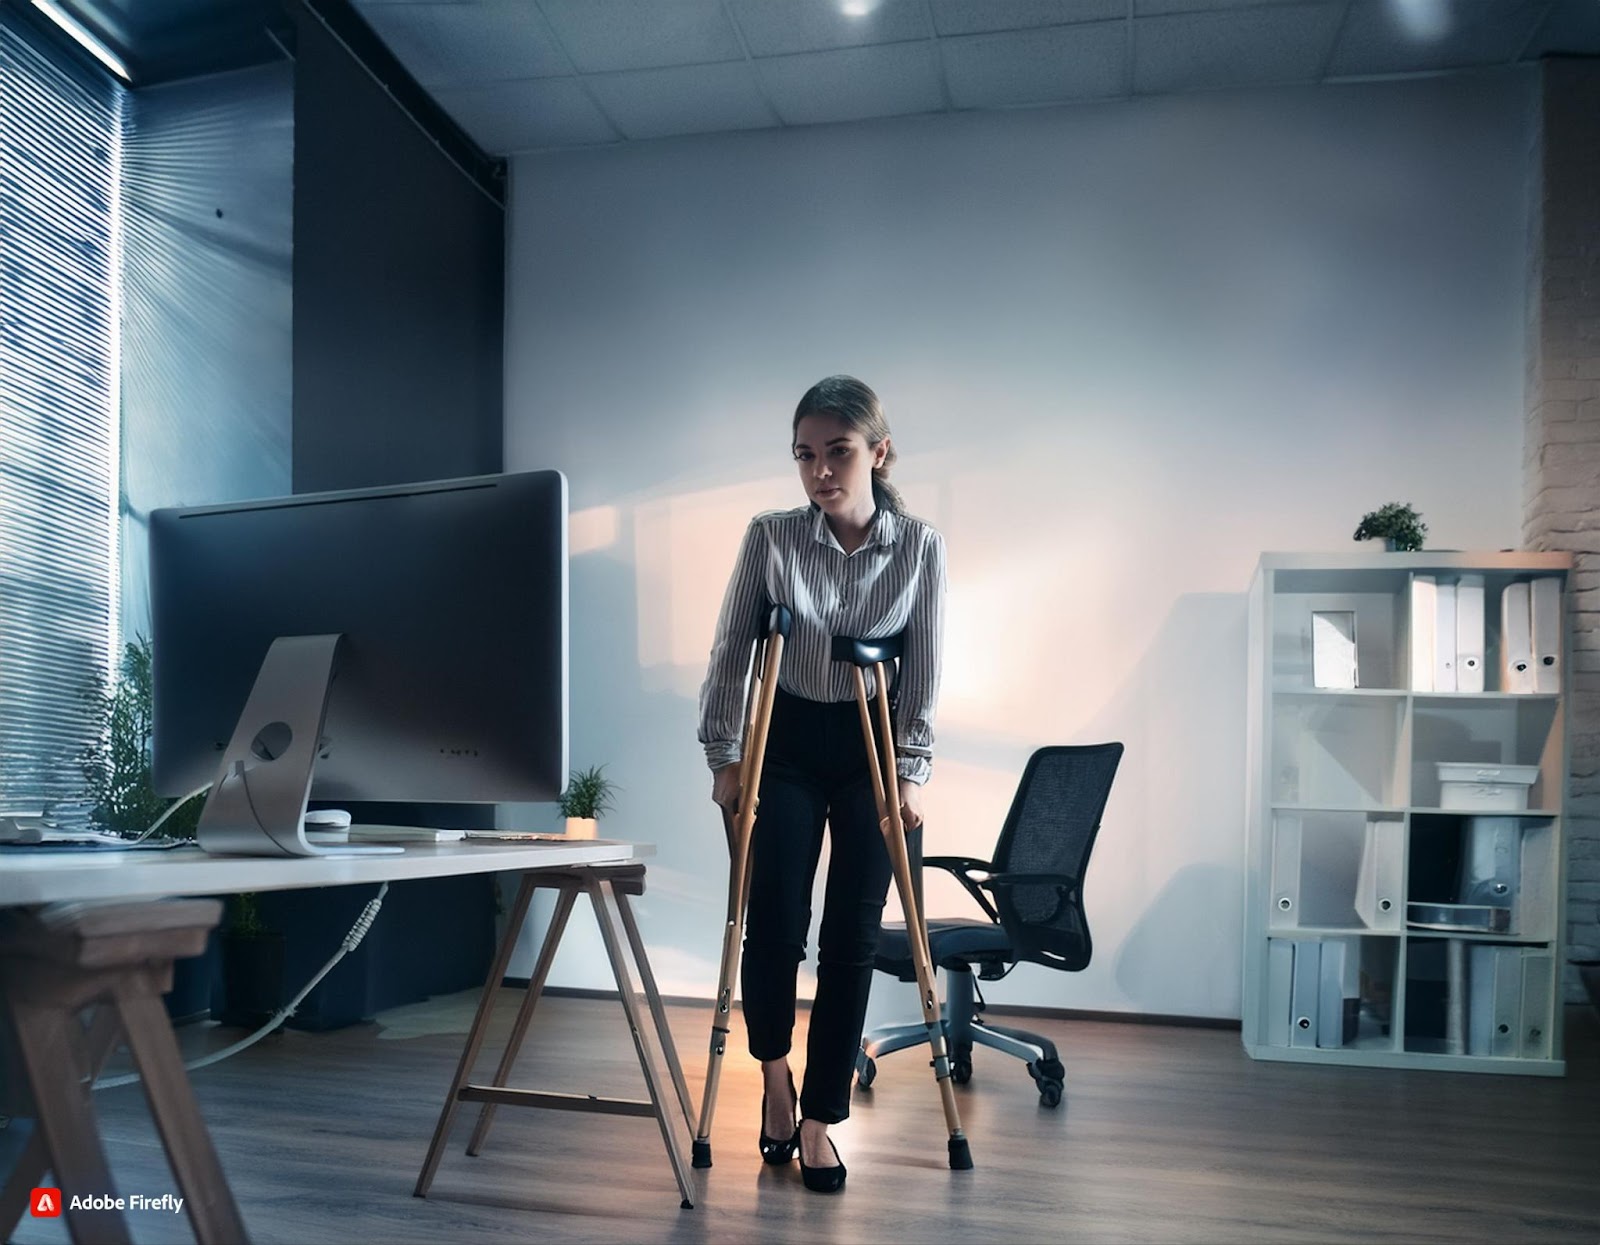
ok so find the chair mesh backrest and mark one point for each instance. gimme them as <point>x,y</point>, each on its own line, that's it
<point>1051,829</point>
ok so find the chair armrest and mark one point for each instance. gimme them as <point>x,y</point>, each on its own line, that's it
<point>1065,883</point>
<point>962,867</point>
<point>999,881</point>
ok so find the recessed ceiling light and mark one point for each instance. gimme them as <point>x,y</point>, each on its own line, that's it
<point>857,8</point>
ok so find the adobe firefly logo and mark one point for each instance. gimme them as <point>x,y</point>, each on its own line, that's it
<point>45,1203</point>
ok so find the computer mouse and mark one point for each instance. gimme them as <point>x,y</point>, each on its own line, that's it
<point>326,819</point>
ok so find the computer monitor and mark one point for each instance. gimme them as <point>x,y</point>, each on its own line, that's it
<point>394,644</point>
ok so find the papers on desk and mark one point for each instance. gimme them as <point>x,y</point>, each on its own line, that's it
<point>30,831</point>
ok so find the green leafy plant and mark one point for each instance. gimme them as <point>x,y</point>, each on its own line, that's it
<point>1397,523</point>
<point>588,793</point>
<point>116,767</point>
<point>243,916</point>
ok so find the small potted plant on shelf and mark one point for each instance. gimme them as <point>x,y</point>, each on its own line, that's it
<point>587,796</point>
<point>1397,525</point>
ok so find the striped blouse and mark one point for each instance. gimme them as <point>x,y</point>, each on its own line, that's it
<point>894,582</point>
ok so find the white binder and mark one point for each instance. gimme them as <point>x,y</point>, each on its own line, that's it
<point>1469,633</point>
<point>1506,1038</point>
<point>1491,862</point>
<point>1546,626</point>
<point>1444,638</point>
<point>1338,956</point>
<point>1424,592</point>
<point>1303,994</point>
<point>1378,884</point>
<point>1516,639</point>
<point>1285,912</point>
<point>1494,1024</point>
<point>1538,988</point>
<point>1280,987</point>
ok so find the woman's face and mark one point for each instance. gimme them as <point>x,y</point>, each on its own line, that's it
<point>836,464</point>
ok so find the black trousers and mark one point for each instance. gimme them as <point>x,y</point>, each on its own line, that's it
<point>815,772</point>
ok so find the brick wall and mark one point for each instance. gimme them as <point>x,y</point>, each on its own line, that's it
<point>1561,478</point>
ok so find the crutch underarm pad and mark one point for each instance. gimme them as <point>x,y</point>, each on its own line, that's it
<point>867,652</point>
<point>779,621</point>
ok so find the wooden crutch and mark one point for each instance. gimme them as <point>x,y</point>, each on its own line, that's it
<point>765,660</point>
<point>881,764</point>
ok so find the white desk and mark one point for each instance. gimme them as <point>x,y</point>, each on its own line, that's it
<point>606,871</point>
<point>32,876</point>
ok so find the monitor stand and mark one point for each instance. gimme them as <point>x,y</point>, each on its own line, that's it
<point>257,805</point>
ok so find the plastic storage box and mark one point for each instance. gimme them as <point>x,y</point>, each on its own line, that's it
<point>1499,788</point>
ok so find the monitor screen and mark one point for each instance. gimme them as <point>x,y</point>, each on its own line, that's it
<point>433,615</point>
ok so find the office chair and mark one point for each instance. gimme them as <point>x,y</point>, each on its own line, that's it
<point>1036,916</point>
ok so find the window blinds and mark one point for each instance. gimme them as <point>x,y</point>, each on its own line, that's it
<point>60,142</point>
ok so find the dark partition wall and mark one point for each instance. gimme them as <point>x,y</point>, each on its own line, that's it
<point>399,262</point>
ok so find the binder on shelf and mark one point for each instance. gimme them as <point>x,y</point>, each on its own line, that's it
<point>1469,633</point>
<point>1494,983</point>
<point>1424,594</point>
<point>1538,990</point>
<point>1516,639</point>
<point>1333,649</point>
<point>1303,994</point>
<point>1339,995</point>
<point>1491,862</point>
<point>1280,988</point>
<point>1444,638</point>
<point>1545,610</point>
<point>1378,883</point>
<point>1286,835</point>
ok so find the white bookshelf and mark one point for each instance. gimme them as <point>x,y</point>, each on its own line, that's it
<point>1340,778</point>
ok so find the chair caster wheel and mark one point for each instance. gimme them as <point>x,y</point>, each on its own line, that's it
<point>866,1072</point>
<point>1050,1093</point>
<point>961,1066</point>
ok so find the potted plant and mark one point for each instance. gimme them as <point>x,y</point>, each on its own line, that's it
<point>252,966</point>
<point>587,796</point>
<point>1396,524</point>
<point>122,798</point>
<point>116,767</point>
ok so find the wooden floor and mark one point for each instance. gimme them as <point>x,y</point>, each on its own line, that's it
<point>1167,1134</point>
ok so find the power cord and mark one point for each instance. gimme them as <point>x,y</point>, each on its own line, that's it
<point>352,940</point>
<point>171,809</point>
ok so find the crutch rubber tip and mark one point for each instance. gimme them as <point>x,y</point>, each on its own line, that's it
<point>686,1204</point>
<point>701,1156</point>
<point>960,1155</point>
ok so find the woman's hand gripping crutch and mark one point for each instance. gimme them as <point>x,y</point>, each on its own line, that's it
<point>765,660</point>
<point>885,790</point>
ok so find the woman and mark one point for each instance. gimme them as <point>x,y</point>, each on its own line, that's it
<point>851,562</point>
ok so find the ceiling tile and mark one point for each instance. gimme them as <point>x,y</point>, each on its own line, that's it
<point>1573,26</point>
<point>602,35</point>
<point>772,29</point>
<point>1154,8</point>
<point>969,17</point>
<point>458,44</point>
<point>1402,36</point>
<point>1199,51</point>
<point>520,116</point>
<point>698,99</point>
<point>1037,67</point>
<point>854,83</point>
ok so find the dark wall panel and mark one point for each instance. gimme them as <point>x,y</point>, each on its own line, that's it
<point>399,263</point>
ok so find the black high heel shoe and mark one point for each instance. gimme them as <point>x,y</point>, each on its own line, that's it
<point>777,1150</point>
<point>822,1179</point>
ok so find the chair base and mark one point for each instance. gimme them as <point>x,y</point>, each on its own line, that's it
<point>963,1030</point>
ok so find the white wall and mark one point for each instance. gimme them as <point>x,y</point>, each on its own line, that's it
<point>1124,349</point>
